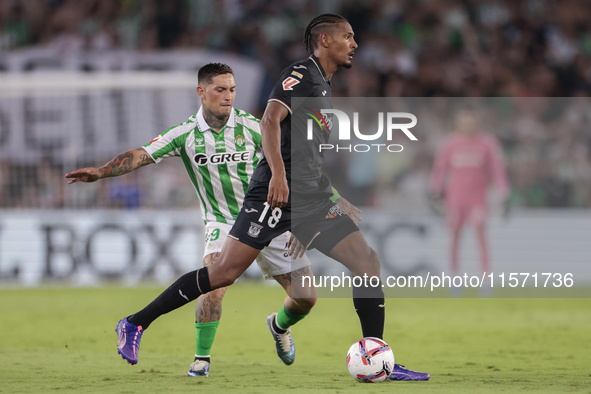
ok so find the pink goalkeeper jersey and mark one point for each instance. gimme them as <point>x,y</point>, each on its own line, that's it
<point>466,166</point>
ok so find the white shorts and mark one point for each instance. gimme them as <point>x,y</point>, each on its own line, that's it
<point>273,259</point>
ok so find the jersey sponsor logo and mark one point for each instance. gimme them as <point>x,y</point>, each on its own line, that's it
<point>300,66</point>
<point>254,230</point>
<point>289,82</point>
<point>156,139</point>
<point>201,159</point>
<point>297,74</point>
<point>220,158</point>
<point>239,141</point>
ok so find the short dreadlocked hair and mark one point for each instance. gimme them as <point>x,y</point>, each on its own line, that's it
<point>321,24</point>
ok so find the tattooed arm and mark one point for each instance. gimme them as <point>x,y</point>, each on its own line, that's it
<point>122,164</point>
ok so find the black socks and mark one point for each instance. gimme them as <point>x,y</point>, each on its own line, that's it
<point>203,281</point>
<point>276,328</point>
<point>186,289</point>
<point>208,359</point>
<point>368,301</point>
<point>369,305</point>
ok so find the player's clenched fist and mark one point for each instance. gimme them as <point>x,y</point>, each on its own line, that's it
<point>278,192</point>
<point>89,174</point>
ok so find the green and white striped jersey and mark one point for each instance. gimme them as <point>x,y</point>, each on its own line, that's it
<point>219,165</point>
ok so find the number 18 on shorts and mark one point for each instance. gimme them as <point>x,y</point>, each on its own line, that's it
<point>257,224</point>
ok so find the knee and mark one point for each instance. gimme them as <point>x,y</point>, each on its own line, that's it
<point>228,278</point>
<point>221,278</point>
<point>373,261</point>
<point>374,257</point>
<point>370,264</point>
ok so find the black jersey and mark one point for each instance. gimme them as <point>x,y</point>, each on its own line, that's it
<point>303,164</point>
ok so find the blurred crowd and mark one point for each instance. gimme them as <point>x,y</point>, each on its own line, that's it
<point>411,48</point>
<point>545,142</point>
<point>408,48</point>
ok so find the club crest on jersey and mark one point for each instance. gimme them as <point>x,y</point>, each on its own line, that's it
<point>254,230</point>
<point>239,141</point>
<point>289,82</point>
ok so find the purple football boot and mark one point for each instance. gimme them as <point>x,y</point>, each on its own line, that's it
<point>401,373</point>
<point>128,344</point>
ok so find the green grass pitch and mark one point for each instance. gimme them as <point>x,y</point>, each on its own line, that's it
<point>63,340</point>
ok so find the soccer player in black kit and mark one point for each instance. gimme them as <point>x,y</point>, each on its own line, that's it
<point>270,209</point>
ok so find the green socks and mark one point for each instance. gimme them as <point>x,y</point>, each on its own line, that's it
<point>206,331</point>
<point>205,337</point>
<point>287,319</point>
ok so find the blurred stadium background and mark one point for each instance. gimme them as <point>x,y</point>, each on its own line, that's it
<point>81,81</point>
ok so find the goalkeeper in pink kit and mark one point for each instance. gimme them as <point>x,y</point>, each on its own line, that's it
<point>465,166</point>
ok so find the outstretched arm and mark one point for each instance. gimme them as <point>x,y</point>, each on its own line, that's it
<point>122,164</point>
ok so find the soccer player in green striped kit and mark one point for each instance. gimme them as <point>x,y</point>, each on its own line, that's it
<point>220,147</point>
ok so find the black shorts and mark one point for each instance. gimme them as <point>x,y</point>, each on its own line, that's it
<point>324,228</point>
<point>257,224</point>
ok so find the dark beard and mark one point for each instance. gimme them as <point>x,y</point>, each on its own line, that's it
<point>347,65</point>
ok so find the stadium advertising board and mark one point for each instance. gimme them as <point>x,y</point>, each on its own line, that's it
<point>98,247</point>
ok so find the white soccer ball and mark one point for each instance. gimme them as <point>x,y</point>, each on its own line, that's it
<point>370,360</point>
